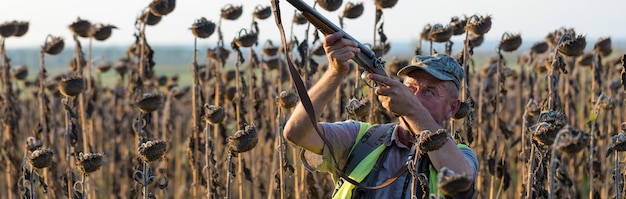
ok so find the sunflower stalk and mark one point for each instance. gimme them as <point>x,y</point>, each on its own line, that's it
<point>194,121</point>
<point>281,153</point>
<point>78,59</point>
<point>231,173</point>
<point>12,125</point>
<point>617,176</point>
<point>43,107</point>
<point>69,129</point>
<point>413,168</point>
<point>553,164</point>
<point>592,148</point>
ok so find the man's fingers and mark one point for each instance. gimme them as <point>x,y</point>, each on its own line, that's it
<point>382,79</point>
<point>336,41</point>
<point>330,39</point>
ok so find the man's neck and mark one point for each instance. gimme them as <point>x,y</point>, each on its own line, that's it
<point>404,136</point>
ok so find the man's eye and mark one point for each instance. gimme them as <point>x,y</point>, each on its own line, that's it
<point>431,91</point>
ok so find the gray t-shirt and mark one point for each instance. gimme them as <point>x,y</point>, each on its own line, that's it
<point>342,136</point>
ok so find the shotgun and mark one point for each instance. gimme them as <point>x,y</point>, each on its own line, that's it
<point>366,59</point>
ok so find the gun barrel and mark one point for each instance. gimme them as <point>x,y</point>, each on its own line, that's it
<point>366,58</point>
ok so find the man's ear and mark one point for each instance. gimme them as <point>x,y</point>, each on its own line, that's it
<point>453,108</point>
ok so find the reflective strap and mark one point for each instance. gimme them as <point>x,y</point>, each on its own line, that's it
<point>359,173</point>
<point>363,128</point>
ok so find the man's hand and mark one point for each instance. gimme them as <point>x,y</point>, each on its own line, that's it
<point>338,51</point>
<point>395,96</point>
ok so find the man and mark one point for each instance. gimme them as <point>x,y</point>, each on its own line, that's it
<point>428,97</point>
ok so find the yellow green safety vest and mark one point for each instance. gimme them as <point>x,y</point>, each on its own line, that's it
<point>343,189</point>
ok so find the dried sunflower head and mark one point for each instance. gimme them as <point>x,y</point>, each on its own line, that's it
<point>287,100</point>
<point>553,117</point>
<point>585,60</point>
<point>247,39</point>
<point>149,18</point>
<point>396,64</point>
<point>510,42</point>
<point>352,10</point>
<point>269,49</point>
<point>231,93</point>
<point>202,28</point>
<point>552,38</point>
<point>228,76</point>
<point>607,103</point>
<point>618,144</point>
<point>102,32</point>
<point>544,133</point>
<point>440,33</point>
<point>479,25</point>
<point>380,4</point>
<point>273,63</point>
<point>161,80</point>
<point>299,19</point>
<point>53,45</point>
<point>41,158</point>
<point>162,7</point>
<point>81,27</point>
<point>22,28</point>
<point>103,67</point>
<point>329,5</point>
<point>532,108</point>
<point>572,140</point>
<point>152,150</point>
<point>425,34</point>
<point>615,85</point>
<point>458,25</point>
<point>380,50</point>
<point>572,46</point>
<point>475,40</point>
<point>358,108</point>
<point>72,86</point>
<point>603,46</point>
<point>451,183</point>
<point>218,53</point>
<point>429,141</point>
<point>464,110</point>
<point>20,73</point>
<point>32,144</point>
<point>262,12</point>
<point>214,114</point>
<point>8,29</point>
<point>539,47</point>
<point>243,140</point>
<point>73,66</point>
<point>231,12</point>
<point>319,50</point>
<point>89,162</point>
<point>122,65</point>
<point>149,102</point>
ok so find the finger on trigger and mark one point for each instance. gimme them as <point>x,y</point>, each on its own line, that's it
<point>377,78</point>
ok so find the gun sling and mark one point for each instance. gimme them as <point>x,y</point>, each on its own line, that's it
<point>308,106</point>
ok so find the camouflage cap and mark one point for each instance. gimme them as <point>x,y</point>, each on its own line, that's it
<point>440,66</point>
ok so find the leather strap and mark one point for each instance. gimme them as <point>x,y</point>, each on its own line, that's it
<point>308,107</point>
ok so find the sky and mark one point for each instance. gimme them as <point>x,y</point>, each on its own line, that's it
<point>533,19</point>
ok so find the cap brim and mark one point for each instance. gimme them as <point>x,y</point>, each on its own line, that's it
<point>410,68</point>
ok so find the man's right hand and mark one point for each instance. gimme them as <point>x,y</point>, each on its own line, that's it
<point>338,51</point>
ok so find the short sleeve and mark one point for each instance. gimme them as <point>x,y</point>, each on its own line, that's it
<point>341,136</point>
